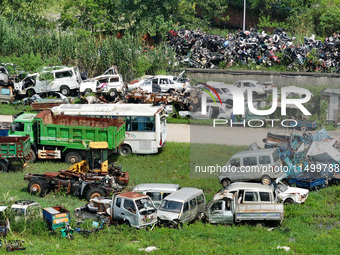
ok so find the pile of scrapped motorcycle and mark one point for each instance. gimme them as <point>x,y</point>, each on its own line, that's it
<point>200,50</point>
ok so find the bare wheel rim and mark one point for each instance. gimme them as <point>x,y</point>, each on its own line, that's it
<point>266,181</point>
<point>94,195</point>
<point>35,188</point>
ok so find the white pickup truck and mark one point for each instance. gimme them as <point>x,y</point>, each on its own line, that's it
<point>230,209</point>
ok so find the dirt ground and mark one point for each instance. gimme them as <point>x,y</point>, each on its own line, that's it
<point>227,135</point>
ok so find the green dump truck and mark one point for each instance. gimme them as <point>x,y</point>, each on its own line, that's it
<point>66,137</point>
<point>13,149</point>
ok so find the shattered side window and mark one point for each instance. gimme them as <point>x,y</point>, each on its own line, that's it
<point>59,75</point>
<point>200,199</point>
<point>118,202</point>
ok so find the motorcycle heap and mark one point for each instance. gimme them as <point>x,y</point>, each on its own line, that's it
<point>196,49</point>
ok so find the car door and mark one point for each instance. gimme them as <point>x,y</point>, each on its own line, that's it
<point>185,217</point>
<point>193,209</point>
<point>215,212</point>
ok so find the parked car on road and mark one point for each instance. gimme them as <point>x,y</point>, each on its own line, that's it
<point>303,125</point>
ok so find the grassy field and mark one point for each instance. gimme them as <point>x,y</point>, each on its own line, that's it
<point>311,228</point>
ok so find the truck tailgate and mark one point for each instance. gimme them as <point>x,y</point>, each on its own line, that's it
<point>259,211</point>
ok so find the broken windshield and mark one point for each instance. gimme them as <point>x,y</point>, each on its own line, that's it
<point>171,206</point>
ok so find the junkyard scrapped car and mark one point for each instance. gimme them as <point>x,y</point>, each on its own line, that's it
<point>277,192</point>
<point>6,95</point>
<point>63,80</point>
<point>254,165</point>
<point>133,208</point>
<point>167,83</point>
<point>156,191</point>
<point>110,84</point>
<point>4,76</point>
<point>213,111</point>
<point>233,208</point>
<point>182,206</point>
<point>259,88</point>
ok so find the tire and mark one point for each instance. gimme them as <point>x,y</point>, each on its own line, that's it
<point>65,90</point>
<point>3,167</point>
<point>112,94</point>
<point>288,201</point>
<point>124,150</point>
<point>94,192</point>
<point>229,103</point>
<point>73,157</point>
<point>87,92</point>
<point>31,157</point>
<point>37,187</point>
<point>225,182</point>
<point>304,128</point>
<point>266,180</point>
<point>30,92</point>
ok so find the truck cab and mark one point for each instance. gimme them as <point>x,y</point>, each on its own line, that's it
<point>26,209</point>
<point>134,208</point>
<point>24,124</point>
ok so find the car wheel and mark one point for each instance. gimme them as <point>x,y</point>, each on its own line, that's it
<point>288,201</point>
<point>30,92</point>
<point>229,103</point>
<point>304,128</point>
<point>87,92</point>
<point>124,150</point>
<point>225,183</point>
<point>31,157</point>
<point>73,157</point>
<point>37,187</point>
<point>64,90</point>
<point>266,180</point>
<point>94,192</point>
<point>112,93</point>
<point>3,167</point>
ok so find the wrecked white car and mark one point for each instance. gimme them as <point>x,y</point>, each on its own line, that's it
<point>289,195</point>
<point>182,206</point>
<point>3,76</point>
<point>63,80</point>
<point>110,84</point>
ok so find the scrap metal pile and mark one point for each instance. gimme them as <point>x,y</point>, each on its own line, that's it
<point>180,100</point>
<point>312,160</point>
<point>200,50</point>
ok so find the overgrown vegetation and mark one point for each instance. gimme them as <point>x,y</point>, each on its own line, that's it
<point>313,226</point>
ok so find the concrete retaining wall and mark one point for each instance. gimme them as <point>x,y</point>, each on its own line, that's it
<point>279,78</point>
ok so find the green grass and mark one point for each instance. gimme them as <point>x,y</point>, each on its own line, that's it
<point>314,227</point>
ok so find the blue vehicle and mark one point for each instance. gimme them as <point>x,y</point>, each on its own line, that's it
<point>303,125</point>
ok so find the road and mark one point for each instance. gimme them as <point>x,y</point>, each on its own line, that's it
<point>225,134</point>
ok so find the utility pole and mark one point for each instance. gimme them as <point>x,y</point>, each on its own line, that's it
<point>244,15</point>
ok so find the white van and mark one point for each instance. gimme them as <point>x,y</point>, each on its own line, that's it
<point>182,206</point>
<point>63,80</point>
<point>254,165</point>
<point>156,191</point>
